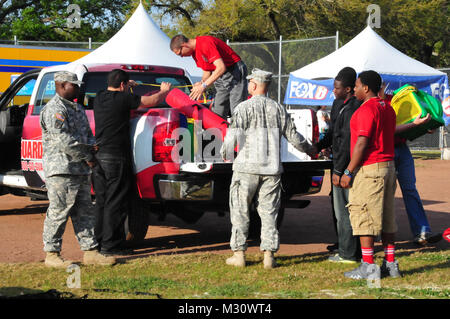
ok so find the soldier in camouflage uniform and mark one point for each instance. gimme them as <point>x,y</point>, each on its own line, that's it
<point>256,127</point>
<point>68,145</point>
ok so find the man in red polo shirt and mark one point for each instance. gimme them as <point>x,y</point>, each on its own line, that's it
<point>372,171</point>
<point>221,66</point>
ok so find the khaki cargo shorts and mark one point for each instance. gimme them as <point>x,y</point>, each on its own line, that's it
<point>371,200</point>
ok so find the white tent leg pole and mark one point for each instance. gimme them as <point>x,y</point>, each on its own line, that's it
<point>337,40</point>
<point>279,69</point>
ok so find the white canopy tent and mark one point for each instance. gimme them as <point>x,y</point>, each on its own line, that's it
<point>366,51</point>
<point>140,41</point>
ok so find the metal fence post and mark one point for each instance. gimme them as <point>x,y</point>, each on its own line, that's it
<point>279,68</point>
<point>90,43</point>
<point>337,40</point>
<point>15,40</point>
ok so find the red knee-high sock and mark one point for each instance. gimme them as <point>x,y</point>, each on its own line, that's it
<point>367,254</point>
<point>389,253</point>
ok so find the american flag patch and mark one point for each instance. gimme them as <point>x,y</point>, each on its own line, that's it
<point>60,117</point>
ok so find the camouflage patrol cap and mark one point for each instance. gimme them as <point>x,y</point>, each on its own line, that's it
<point>66,76</point>
<point>260,75</point>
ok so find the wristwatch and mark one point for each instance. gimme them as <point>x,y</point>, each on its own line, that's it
<point>348,173</point>
<point>204,85</point>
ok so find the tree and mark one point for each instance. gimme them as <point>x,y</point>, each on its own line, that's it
<point>48,20</point>
<point>188,10</point>
<point>417,28</point>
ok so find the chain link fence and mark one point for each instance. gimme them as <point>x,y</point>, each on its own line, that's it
<point>55,44</point>
<point>279,57</point>
<point>282,57</point>
<point>445,131</point>
<point>437,140</point>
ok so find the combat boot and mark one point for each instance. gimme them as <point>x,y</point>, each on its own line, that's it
<point>54,259</point>
<point>238,259</point>
<point>93,257</point>
<point>269,260</point>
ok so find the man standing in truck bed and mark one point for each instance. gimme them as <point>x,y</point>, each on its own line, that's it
<point>256,127</point>
<point>220,65</point>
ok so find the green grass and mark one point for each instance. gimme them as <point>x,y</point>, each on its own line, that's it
<point>426,154</point>
<point>425,275</point>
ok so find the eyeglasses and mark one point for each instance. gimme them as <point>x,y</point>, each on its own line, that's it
<point>180,51</point>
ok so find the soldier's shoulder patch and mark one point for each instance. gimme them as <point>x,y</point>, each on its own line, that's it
<point>60,117</point>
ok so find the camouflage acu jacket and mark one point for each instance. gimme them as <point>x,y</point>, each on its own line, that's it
<point>256,128</point>
<point>67,138</point>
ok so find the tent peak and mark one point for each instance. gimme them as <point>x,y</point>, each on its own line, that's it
<point>140,41</point>
<point>366,51</point>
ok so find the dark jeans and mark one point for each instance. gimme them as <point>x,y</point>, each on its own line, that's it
<point>112,179</point>
<point>349,245</point>
<point>332,205</point>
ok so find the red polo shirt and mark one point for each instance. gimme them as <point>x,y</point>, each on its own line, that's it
<point>209,49</point>
<point>374,119</point>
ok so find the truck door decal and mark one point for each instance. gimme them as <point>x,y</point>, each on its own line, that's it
<point>31,163</point>
<point>31,155</point>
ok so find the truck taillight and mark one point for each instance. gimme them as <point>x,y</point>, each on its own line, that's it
<point>136,67</point>
<point>164,142</point>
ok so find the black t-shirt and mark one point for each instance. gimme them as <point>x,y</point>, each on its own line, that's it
<point>112,120</point>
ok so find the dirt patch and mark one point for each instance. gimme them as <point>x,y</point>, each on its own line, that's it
<point>304,231</point>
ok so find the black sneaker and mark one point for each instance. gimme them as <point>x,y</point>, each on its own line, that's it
<point>333,248</point>
<point>390,269</point>
<point>427,238</point>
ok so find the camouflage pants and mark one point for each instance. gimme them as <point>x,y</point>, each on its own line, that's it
<point>265,191</point>
<point>69,196</point>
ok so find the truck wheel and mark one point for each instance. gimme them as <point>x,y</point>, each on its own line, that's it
<point>254,231</point>
<point>136,224</point>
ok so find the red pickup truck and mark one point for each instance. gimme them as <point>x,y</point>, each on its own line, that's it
<point>186,188</point>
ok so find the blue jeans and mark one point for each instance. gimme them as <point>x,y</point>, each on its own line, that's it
<point>406,176</point>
